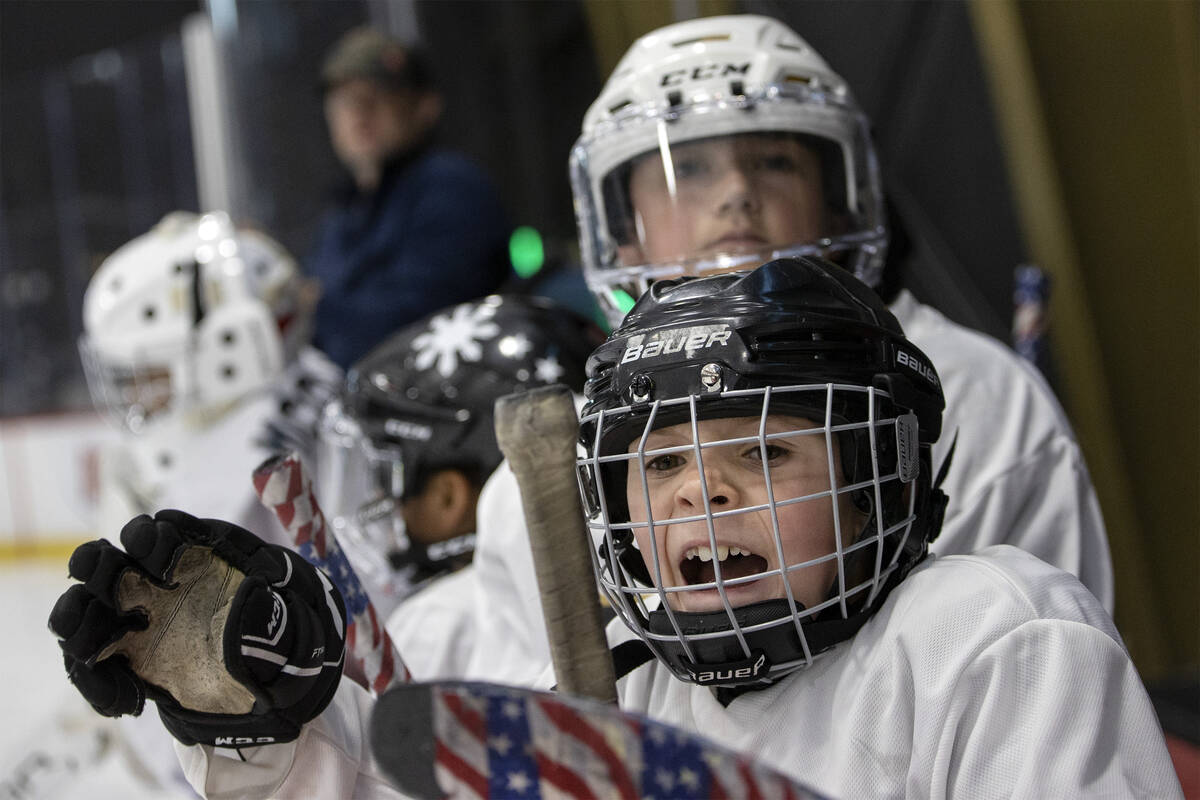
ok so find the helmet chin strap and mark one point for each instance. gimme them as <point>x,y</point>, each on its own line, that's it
<point>721,662</point>
<point>436,557</point>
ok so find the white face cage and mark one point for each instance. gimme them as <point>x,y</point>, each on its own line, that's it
<point>856,234</point>
<point>360,483</point>
<point>358,487</point>
<point>129,394</point>
<point>861,555</point>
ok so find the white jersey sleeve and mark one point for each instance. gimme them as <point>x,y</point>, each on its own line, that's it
<point>982,676</point>
<point>994,675</point>
<point>1017,476</point>
<point>331,758</point>
<point>123,492</point>
<point>435,628</point>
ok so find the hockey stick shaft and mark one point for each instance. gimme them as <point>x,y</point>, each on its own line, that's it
<point>536,431</point>
<point>284,488</point>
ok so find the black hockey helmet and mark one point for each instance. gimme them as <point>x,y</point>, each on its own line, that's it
<point>422,401</point>
<point>798,337</point>
<point>428,391</point>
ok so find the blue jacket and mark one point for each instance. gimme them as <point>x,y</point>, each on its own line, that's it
<point>433,234</point>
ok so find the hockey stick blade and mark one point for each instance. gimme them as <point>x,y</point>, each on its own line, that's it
<point>536,431</point>
<point>480,740</point>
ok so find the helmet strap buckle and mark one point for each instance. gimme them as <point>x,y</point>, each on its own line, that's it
<point>746,670</point>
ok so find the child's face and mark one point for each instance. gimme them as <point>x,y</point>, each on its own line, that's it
<point>798,466</point>
<point>733,194</point>
<point>147,387</point>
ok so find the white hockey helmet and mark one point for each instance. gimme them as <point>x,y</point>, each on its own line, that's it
<point>189,318</point>
<point>714,79</point>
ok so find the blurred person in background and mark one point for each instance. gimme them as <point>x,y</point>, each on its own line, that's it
<point>195,346</point>
<point>415,227</point>
<point>406,450</point>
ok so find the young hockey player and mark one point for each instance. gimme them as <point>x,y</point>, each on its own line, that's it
<point>410,443</point>
<point>728,140</point>
<point>765,495</point>
<point>194,344</point>
<point>722,142</point>
<point>758,470</point>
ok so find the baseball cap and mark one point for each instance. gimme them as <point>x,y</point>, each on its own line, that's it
<point>371,54</point>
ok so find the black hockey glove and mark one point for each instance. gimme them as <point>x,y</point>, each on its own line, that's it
<point>239,642</point>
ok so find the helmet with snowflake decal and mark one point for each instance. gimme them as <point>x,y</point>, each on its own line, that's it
<point>421,402</point>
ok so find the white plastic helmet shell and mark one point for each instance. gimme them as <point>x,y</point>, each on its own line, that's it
<point>701,59</point>
<point>186,320</point>
<point>707,78</point>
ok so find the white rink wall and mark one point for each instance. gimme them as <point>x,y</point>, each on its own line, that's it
<point>49,486</point>
<point>56,747</point>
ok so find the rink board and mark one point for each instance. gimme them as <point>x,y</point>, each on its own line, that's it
<point>49,482</point>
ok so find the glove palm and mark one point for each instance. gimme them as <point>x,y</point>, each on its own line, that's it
<point>238,641</point>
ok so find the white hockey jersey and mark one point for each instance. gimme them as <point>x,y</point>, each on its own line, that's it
<point>993,675</point>
<point>206,469</point>
<point>1017,477</point>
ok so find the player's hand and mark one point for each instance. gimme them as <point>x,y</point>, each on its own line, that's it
<point>238,641</point>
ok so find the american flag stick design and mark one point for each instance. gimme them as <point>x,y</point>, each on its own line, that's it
<point>480,741</point>
<point>284,487</point>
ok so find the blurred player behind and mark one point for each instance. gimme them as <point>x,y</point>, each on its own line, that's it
<point>195,346</point>
<point>408,447</point>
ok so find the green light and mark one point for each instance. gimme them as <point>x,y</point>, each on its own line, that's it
<point>623,300</point>
<point>526,252</point>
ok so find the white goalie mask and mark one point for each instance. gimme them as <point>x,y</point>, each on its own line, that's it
<point>187,319</point>
<point>717,144</point>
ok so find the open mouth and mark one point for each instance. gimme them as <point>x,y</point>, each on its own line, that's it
<point>697,565</point>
